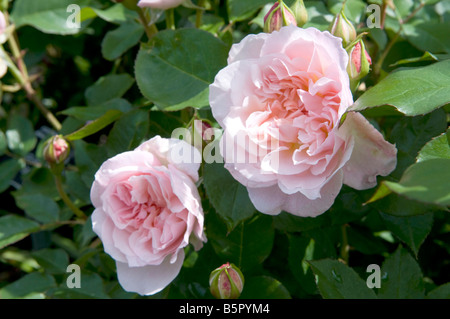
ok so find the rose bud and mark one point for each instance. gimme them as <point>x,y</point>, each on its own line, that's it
<point>359,62</point>
<point>342,28</point>
<point>226,282</point>
<point>300,13</point>
<point>56,150</point>
<point>278,16</point>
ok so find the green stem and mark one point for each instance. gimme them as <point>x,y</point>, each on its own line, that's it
<point>150,30</point>
<point>170,19</point>
<point>199,14</point>
<point>21,74</point>
<point>66,199</point>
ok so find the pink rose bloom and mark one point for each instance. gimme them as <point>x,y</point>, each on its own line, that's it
<point>147,209</point>
<point>280,101</point>
<point>160,4</point>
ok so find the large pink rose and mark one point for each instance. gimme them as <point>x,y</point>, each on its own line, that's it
<point>160,4</point>
<point>147,209</point>
<point>280,101</point>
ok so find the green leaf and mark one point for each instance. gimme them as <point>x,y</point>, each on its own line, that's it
<point>401,277</point>
<point>410,134</point>
<point>88,158</point>
<point>413,91</point>
<point>264,287</point>
<point>240,10</point>
<point>429,36</point>
<point>107,88</point>
<point>32,286</point>
<point>232,202</point>
<point>338,281</point>
<point>438,147</point>
<point>91,113</point>
<point>117,14</point>
<point>425,181</point>
<point>128,132</point>
<point>20,135</point>
<point>247,245</point>
<point>53,261</point>
<point>8,170</point>
<point>3,143</point>
<point>441,292</point>
<point>49,16</point>
<point>301,250</point>
<point>95,126</point>
<point>14,228</point>
<point>39,207</point>
<point>91,288</point>
<point>412,230</point>
<point>118,41</point>
<point>185,59</point>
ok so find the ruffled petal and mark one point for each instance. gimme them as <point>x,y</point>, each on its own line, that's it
<point>372,155</point>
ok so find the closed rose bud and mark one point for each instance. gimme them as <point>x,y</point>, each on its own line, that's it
<point>300,13</point>
<point>359,62</point>
<point>56,150</point>
<point>278,16</point>
<point>226,282</point>
<point>342,28</point>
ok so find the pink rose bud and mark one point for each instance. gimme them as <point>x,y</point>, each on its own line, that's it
<point>226,282</point>
<point>359,62</point>
<point>300,13</point>
<point>56,150</point>
<point>342,28</point>
<point>278,16</point>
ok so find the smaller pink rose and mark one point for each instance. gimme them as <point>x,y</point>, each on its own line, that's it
<point>147,209</point>
<point>160,4</point>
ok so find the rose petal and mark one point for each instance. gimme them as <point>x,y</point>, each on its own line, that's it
<point>271,200</point>
<point>372,154</point>
<point>149,280</point>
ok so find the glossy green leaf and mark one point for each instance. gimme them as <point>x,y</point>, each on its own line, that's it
<point>247,245</point>
<point>401,277</point>
<point>425,181</point>
<point>240,10</point>
<point>14,228</point>
<point>116,14</point>
<point>95,126</point>
<point>118,41</point>
<point>264,287</point>
<point>53,261</point>
<point>232,202</point>
<point>20,135</point>
<point>438,147</point>
<point>413,91</point>
<point>412,230</point>
<point>108,87</point>
<point>338,281</point>
<point>49,16</point>
<point>429,36</point>
<point>185,59</point>
<point>33,286</point>
<point>128,132</point>
<point>441,292</point>
<point>8,170</point>
<point>3,143</point>
<point>39,207</point>
<point>91,288</point>
<point>90,113</point>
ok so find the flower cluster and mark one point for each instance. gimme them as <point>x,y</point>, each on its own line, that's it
<point>282,102</point>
